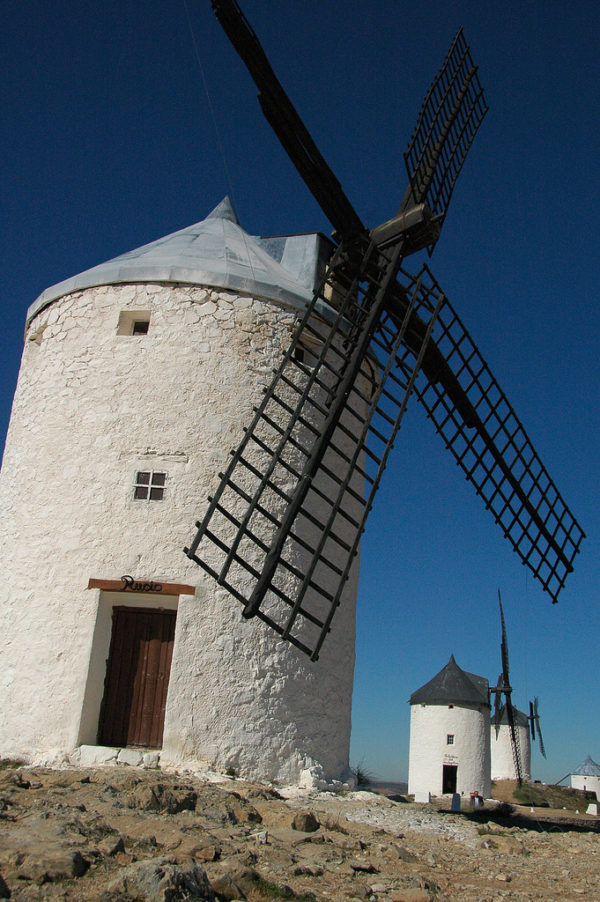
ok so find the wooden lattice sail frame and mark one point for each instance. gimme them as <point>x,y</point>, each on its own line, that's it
<point>375,333</point>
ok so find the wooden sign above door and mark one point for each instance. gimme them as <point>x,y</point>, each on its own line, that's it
<point>129,583</point>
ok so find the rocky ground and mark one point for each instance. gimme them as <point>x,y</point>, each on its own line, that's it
<point>124,833</point>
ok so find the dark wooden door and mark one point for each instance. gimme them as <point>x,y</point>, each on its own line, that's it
<point>137,677</point>
<point>449,772</point>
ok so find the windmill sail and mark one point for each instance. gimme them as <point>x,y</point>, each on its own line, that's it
<point>534,722</point>
<point>449,118</point>
<point>506,690</point>
<point>371,335</point>
<point>286,123</point>
<point>478,425</point>
<point>498,706</point>
<point>323,430</point>
<point>448,121</point>
<point>539,730</point>
<point>514,739</point>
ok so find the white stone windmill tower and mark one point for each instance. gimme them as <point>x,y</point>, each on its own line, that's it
<point>501,744</point>
<point>450,735</point>
<point>587,776</point>
<point>135,378</point>
<point>505,763</point>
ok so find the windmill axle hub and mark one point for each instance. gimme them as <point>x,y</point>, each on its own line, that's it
<point>416,227</point>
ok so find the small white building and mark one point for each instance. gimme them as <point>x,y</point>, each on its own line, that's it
<point>136,380</point>
<point>450,735</point>
<point>503,761</point>
<point>587,776</point>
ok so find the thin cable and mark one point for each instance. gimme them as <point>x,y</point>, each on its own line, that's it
<point>209,101</point>
<point>220,146</point>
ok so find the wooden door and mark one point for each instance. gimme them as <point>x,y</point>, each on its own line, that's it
<point>449,773</point>
<point>137,677</point>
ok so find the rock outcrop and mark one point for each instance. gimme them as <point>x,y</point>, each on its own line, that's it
<point>124,834</point>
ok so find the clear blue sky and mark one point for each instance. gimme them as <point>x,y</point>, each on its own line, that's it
<point>108,141</point>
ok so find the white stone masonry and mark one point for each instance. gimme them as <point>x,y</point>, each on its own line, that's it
<point>92,408</point>
<point>468,750</point>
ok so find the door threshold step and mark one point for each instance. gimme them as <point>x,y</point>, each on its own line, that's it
<point>96,755</point>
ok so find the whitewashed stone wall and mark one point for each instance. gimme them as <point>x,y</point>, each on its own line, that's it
<point>91,409</point>
<point>429,750</point>
<point>503,763</point>
<point>587,782</point>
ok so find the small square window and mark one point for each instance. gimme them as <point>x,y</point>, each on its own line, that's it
<point>450,739</point>
<point>133,322</point>
<point>149,486</point>
<point>307,353</point>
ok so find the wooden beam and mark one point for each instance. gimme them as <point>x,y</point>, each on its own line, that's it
<point>141,586</point>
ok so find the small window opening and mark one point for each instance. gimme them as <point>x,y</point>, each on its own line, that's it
<point>149,485</point>
<point>450,739</point>
<point>133,322</point>
<point>307,352</point>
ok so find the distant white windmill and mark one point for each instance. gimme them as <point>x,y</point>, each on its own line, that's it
<point>510,745</point>
<point>587,776</point>
<point>450,734</point>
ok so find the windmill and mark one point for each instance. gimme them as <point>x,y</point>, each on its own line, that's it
<point>506,713</point>
<point>503,688</point>
<point>373,334</point>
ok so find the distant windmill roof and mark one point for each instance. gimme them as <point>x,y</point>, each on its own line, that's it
<point>453,686</point>
<point>216,252</point>
<point>588,768</point>
<point>521,720</point>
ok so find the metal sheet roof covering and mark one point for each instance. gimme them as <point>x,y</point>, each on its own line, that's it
<point>452,686</point>
<point>218,253</point>
<point>588,768</point>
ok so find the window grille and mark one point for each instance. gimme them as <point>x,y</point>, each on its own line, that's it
<point>149,485</point>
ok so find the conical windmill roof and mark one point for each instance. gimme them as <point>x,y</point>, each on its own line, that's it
<point>452,686</point>
<point>521,719</point>
<point>588,768</point>
<point>215,252</point>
